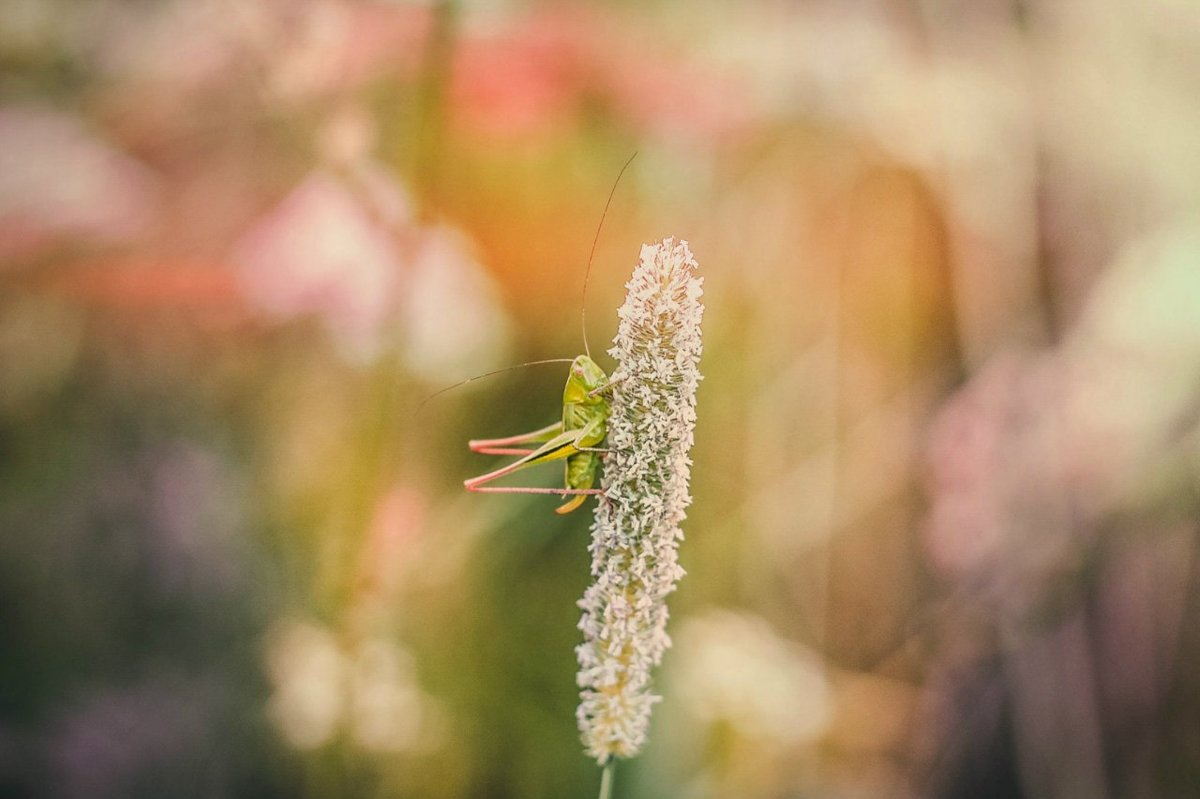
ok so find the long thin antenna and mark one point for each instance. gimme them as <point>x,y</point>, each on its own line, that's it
<point>441,391</point>
<point>588,272</point>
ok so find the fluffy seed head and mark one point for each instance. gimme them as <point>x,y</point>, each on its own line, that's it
<point>636,532</point>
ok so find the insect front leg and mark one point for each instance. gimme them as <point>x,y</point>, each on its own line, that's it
<point>604,388</point>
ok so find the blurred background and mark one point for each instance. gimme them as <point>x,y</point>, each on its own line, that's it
<point>947,468</point>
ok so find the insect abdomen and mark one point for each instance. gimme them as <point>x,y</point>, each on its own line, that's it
<point>581,469</point>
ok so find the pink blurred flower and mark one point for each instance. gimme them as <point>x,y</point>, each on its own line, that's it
<point>520,81</point>
<point>346,250</point>
<point>59,183</point>
<point>535,77</point>
<point>672,100</point>
<point>395,529</point>
<point>1029,457</point>
<point>321,253</point>
<point>1001,516</point>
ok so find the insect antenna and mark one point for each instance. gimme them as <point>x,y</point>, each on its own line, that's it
<point>587,273</point>
<point>582,305</point>
<point>461,383</point>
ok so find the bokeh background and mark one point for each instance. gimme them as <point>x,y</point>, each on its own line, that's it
<point>946,472</point>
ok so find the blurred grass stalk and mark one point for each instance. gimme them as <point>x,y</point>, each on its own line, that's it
<point>636,532</point>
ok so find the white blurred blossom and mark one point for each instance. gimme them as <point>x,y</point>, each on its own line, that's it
<point>636,532</point>
<point>454,322</point>
<point>322,686</point>
<point>734,668</point>
<point>1134,365</point>
<point>386,702</point>
<point>305,665</point>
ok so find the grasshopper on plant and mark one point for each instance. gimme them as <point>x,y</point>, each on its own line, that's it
<point>577,438</point>
<point>580,434</point>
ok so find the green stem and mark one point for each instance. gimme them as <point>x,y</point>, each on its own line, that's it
<point>606,778</point>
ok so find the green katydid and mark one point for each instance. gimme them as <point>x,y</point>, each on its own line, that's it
<point>578,437</point>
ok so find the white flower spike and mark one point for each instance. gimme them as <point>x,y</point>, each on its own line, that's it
<point>636,532</point>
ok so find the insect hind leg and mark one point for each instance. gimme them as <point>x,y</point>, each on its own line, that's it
<point>564,492</point>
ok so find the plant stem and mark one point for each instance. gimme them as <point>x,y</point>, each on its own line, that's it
<point>606,778</point>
